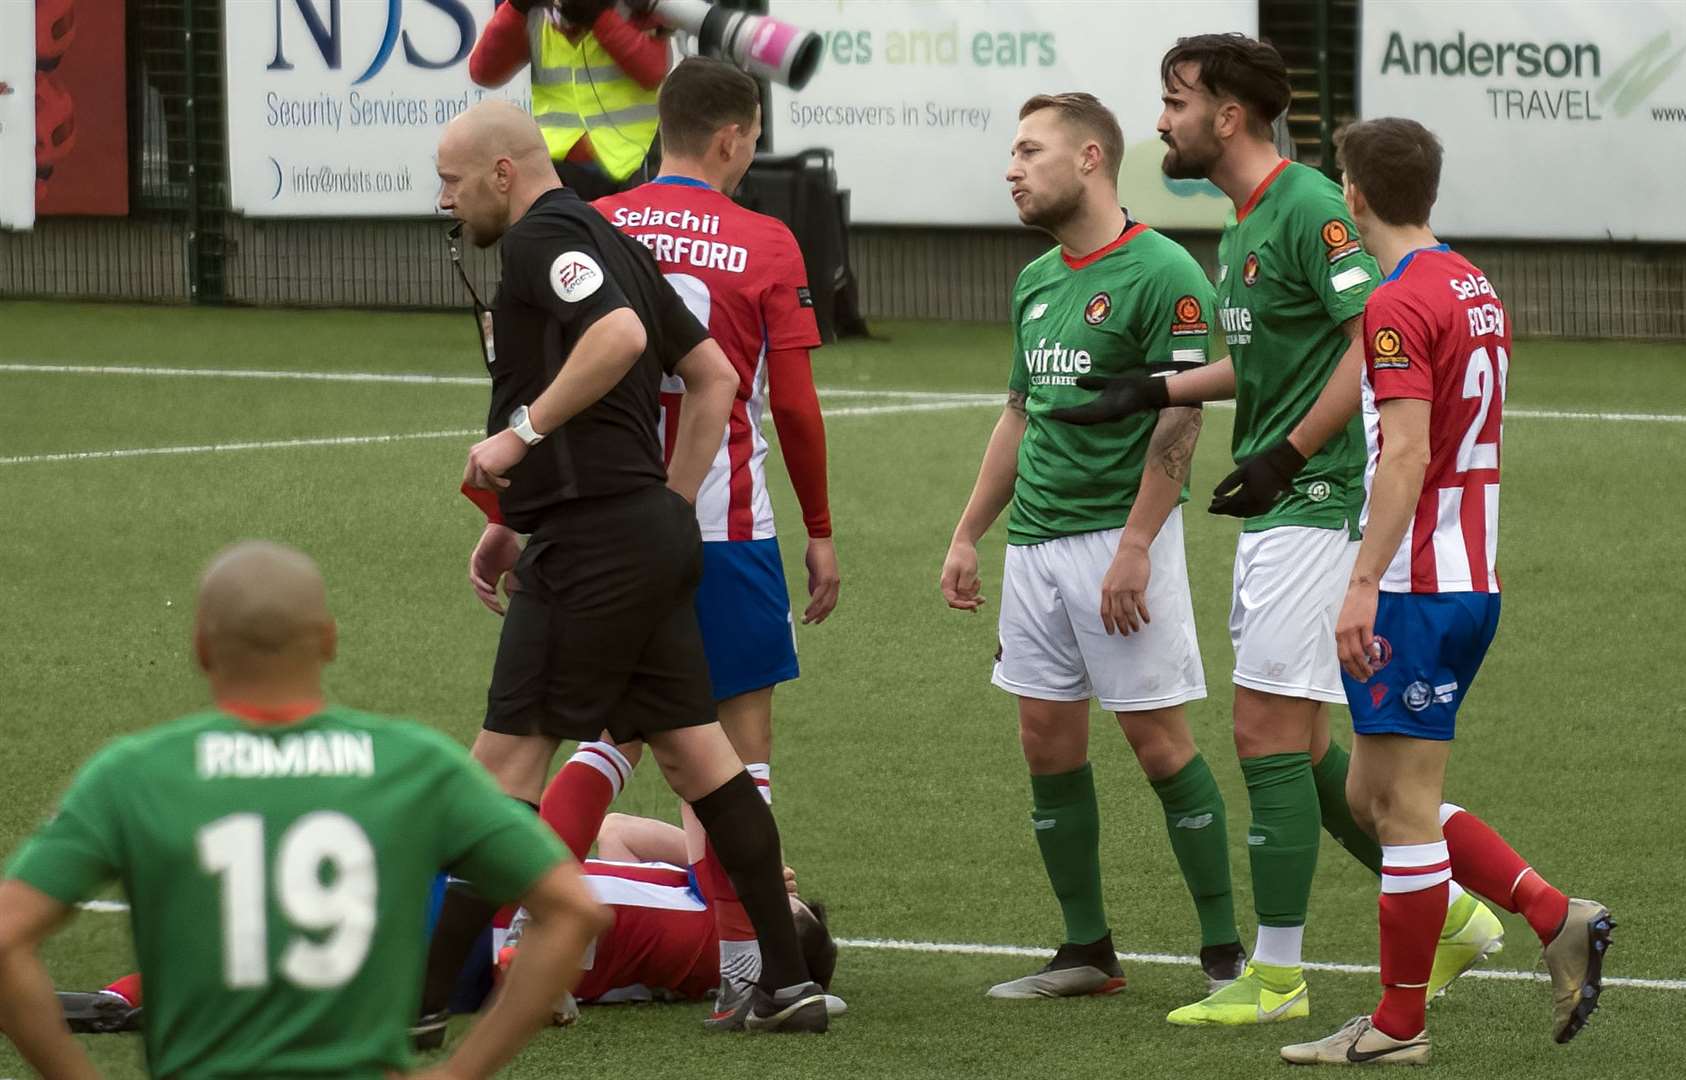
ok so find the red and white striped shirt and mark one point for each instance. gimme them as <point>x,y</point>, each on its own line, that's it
<point>1436,331</point>
<point>742,276</point>
<point>663,938</point>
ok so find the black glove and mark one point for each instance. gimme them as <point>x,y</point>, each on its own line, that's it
<point>1121,396</point>
<point>1259,482</point>
<point>582,12</point>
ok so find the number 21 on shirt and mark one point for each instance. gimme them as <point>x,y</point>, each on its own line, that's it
<point>1479,384</point>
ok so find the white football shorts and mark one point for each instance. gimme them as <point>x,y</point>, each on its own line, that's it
<point>1054,646</point>
<point>1289,585</point>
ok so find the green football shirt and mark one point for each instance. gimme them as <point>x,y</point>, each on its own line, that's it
<point>1290,272</point>
<point>278,878</point>
<point>1140,300</point>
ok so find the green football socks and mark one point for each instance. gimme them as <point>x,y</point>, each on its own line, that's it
<point>1068,832</point>
<point>1330,775</point>
<point>1194,819</point>
<point>1282,839</point>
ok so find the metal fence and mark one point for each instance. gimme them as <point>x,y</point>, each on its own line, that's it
<point>180,243</point>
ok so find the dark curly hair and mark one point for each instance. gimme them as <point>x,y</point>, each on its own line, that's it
<point>1237,66</point>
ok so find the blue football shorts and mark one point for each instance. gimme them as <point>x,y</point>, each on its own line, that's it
<point>1430,646</point>
<point>743,607</point>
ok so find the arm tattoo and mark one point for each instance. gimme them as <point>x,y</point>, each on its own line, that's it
<point>1016,401</point>
<point>1172,447</point>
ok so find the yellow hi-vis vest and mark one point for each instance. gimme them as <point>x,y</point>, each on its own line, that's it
<point>579,89</point>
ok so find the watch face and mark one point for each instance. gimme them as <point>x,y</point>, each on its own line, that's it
<point>518,417</point>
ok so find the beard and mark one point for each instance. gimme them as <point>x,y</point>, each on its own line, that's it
<point>482,233</point>
<point>1189,160</point>
<point>1056,212</point>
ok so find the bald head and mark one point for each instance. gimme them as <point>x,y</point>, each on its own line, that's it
<point>263,613</point>
<point>492,163</point>
<point>492,129</point>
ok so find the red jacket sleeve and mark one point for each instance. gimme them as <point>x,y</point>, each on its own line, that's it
<point>801,428</point>
<point>640,54</point>
<point>502,49</point>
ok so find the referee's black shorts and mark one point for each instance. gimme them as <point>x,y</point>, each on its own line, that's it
<point>602,634</point>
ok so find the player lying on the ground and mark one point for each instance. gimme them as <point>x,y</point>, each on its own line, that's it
<point>663,944</point>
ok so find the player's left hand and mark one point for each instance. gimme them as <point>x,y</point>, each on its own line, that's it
<point>1124,589</point>
<point>1355,630</point>
<point>1120,396</point>
<point>490,458</point>
<point>823,580</point>
<point>790,881</point>
<point>1259,482</point>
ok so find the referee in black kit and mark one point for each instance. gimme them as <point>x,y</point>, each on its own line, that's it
<point>601,633</point>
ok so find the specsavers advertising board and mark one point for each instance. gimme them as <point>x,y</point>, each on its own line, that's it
<point>920,98</point>
<point>335,106</point>
<point>1559,119</point>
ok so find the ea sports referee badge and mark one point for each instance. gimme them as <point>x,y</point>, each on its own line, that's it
<point>575,275</point>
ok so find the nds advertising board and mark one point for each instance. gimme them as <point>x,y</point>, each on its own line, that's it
<point>1559,119</point>
<point>335,106</point>
<point>17,116</point>
<point>920,99</point>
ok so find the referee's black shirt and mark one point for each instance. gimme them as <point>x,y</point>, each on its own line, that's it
<point>565,267</point>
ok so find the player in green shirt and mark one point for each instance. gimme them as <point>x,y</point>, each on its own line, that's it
<point>277,855</point>
<point>1292,281</point>
<point>1094,598</point>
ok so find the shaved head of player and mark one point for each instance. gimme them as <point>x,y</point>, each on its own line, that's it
<point>492,164</point>
<point>1221,93</point>
<point>262,633</point>
<point>1064,171</point>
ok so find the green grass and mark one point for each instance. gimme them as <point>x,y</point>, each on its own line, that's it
<point>901,793</point>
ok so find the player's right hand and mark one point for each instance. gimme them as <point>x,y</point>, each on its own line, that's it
<point>960,577</point>
<point>493,557</point>
<point>1120,396</point>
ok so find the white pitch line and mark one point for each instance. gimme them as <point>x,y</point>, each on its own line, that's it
<point>220,448</point>
<point>366,440</point>
<point>941,405</point>
<point>826,391</point>
<point>241,373</point>
<point>1555,414</point>
<point>401,378</point>
<point>1162,959</point>
<point>968,949</point>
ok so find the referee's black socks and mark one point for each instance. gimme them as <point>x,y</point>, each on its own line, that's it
<point>462,916</point>
<point>740,825</point>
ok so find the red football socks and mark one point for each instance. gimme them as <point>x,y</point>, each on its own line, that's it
<point>578,796</point>
<point>1484,863</point>
<point>1413,907</point>
<point>128,988</point>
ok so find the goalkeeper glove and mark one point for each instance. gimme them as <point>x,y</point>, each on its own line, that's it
<point>1121,396</point>
<point>1258,482</point>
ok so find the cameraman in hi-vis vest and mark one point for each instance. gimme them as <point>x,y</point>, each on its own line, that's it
<point>596,69</point>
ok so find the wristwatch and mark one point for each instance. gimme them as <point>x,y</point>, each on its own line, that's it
<point>522,425</point>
